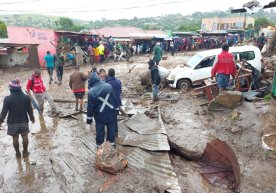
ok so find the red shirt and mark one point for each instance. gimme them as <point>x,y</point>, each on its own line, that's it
<point>224,64</point>
<point>35,84</point>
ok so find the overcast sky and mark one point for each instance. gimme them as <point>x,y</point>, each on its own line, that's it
<point>116,9</point>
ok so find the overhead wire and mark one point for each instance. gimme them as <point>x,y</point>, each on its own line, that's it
<point>20,2</point>
<point>98,10</point>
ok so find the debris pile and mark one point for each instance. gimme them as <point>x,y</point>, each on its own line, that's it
<point>109,159</point>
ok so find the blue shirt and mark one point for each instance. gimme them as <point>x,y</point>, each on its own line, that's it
<point>49,59</point>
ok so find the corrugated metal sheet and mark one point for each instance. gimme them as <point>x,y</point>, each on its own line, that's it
<point>155,142</point>
<point>220,166</point>
<point>123,130</point>
<point>144,125</point>
<point>159,164</point>
<point>90,142</point>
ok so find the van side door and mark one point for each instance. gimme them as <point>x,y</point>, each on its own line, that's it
<point>204,68</point>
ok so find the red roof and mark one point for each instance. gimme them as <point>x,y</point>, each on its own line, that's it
<point>118,32</point>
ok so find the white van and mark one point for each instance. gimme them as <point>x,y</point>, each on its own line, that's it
<point>199,66</point>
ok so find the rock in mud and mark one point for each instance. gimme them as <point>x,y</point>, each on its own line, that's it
<point>188,143</point>
<point>236,115</point>
<point>226,99</point>
<point>236,129</point>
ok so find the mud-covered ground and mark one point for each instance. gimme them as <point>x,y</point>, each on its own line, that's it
<point>62,150</point>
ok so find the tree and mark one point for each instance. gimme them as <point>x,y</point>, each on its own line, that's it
<point>150,27</point>
<point>262,22</point>
<point>250,26</point>
<point>189,27</point>
<point>64,23</point>
<point>3,30</point>
<point>77,28</point>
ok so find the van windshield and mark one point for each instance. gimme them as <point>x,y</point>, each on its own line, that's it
<point>193,61</point>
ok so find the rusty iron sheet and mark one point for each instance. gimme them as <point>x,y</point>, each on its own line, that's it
<point>144,125</point>
<point>155,142</point>
<point>159,164</point>
<point>220,166</point>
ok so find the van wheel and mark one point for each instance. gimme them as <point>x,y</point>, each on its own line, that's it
<point>184,84</point>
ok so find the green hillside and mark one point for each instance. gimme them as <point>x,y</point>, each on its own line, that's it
<point>172,22</point>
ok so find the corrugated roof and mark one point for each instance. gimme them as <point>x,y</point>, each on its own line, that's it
<point>119,32</point>
<point>154,32</point>
<point>4,43</point>
<point>142,124</point>
<point>160,166</point>
<point>70,32</point>
<point>154,142</point>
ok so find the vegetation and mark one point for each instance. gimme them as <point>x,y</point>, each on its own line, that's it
<point>65,23</point>
<point>3,30</point>
<point>262,22</point>
<point>173,22</point>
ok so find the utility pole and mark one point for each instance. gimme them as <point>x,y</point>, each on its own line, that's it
<point>244,25</point>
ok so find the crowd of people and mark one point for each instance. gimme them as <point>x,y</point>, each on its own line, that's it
<point>95,50</point>
<point>102,49</point>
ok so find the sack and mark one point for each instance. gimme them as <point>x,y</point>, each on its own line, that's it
<point>109,159</point>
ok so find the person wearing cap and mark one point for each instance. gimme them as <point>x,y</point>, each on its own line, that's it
<point>102,106</point>
<point>224,66</point>
<point>36,85</point>
<point>19,109</point>
<point>158,52</point>
<point>155,79</point>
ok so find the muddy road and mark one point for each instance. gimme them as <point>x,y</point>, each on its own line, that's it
<point>63,149</point>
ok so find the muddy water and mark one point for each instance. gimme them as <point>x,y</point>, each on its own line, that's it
<point>62,150</point>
